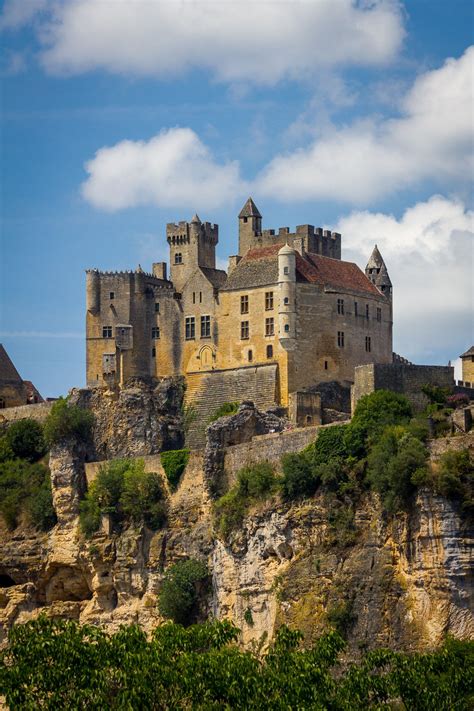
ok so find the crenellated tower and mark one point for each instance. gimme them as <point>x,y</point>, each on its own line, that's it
<point>192,244</point>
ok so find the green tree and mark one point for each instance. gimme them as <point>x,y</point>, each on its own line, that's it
<point>374,413</point>
<point>26,440</point>
<point>299,475</point>
<point>174,463</point>
<point>66,420</point>
<point>184,584</point>
<point>26,488</point>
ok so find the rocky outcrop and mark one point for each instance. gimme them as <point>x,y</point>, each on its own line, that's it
<point>137,420</point>
<point>403,581</point>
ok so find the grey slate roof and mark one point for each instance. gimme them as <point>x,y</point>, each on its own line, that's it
<point>8,372</point>
<point>249,209</point>
<point>468,353</point>
<point>217,277</point>
<point>252,273</point>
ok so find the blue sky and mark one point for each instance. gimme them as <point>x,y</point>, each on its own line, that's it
<point>120,116</point>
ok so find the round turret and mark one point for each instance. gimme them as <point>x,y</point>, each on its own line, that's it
<point>93,291</point>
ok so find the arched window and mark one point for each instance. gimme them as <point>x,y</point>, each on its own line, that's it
<point>269,351</point>
<point>287,327</point>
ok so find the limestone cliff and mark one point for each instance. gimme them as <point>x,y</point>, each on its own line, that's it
<point>404,581</point>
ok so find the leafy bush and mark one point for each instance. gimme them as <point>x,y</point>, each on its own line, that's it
<point>455,478</point>
<point>26,440</point>
<point>174,463</point>
<point>26,487</point>
<point>340,616</point>
<point>435,394</point>
<point>227,408</point>
<point>58,664</point>
<point>377,411</point>
<point>66,420</point>
<point>330,444</point>
<point>457,400</point>
<point>254,482</point>
<point>299,476</point>
<point>395,463</point>
<point>184,584</point>
<point>125,490</point>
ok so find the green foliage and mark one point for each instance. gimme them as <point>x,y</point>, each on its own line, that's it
<point>184,584</point>
<point>299,477</point>
<point>174,463</point>
<point>25,440</point>
<point>330,444</point>
<point>375,412</point>
<point>455,478</point>
<point>395,464</point>
<point>66,420</point>
<point>248,617</point>
<point>57,664</point>
<point>435,394</point>
<point>6,452</point>
<point>26,487</point>
<point>254,482</point>
<point>227,408</point>
<point>125,490</point>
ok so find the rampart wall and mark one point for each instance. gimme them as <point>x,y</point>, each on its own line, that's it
<point>38,412</point>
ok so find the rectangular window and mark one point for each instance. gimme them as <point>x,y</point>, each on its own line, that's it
<point>340,339</point>
<point>190,328</point>
<point>244,330</point>
<point>157,307</point>
<point>340,306</point>
<point>153,352</point>
<point>269,327</point>
<point>244,304</point>
<point>269,301</point>
<point>112,295</point>
<point>205,326</point>
<point>356,308</point>
<point>368,344</point>
<point>155,332</point>
<point>367,311</point>
<point>379,315</point>
<point>178,258</point>
<point>106,331</point>
<point>194,297</point>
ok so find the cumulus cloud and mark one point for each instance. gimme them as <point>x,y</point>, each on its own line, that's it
<point>172,169</point>
<point>237,40</point>
<point>370,158</point>
<point>429,256</point>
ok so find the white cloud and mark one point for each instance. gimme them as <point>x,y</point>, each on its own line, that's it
<point>172,169</point>
<point>368,159</point>
<point>429,256</point>
<point>17,13</point>
<point>237,40</point>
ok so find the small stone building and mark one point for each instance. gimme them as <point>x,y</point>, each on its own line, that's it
<point>289,313</point>
<point>15,391</point>
<point>467,360</point>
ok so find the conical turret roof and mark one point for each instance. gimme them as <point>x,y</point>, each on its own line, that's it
<point>249,209</point>
<point>196,219</point>
<point>376,259</point>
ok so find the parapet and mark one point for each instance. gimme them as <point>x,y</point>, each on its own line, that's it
<point>181,232</point>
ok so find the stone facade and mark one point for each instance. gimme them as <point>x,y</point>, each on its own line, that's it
<point>467,360</point>
<point>14,391</point>
<point>288,301</point>
<point>401,378</point>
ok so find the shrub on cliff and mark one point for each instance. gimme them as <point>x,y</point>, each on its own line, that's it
<point>299,475</point>
<point>174,463</point>
<point>25,439</point>
<point>455,478</point>
<point>184,585</point>
<point>227,408</point>
<point>254,482</point>
<point>375,412</point>
<point>127,492</point>
<point>25,488</point>
<point>66,420</point>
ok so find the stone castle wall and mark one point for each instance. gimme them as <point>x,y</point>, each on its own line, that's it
<point>38,412</point>
<point>401,378</point>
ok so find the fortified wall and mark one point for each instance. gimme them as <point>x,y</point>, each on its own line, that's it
<point>400,378</point>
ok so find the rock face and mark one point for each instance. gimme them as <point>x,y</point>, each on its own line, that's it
<point>404,582</point>
<point>140,419</point>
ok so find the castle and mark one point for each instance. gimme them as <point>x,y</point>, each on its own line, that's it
<point>288,314</point>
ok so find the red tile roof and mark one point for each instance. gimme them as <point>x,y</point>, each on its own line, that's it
<point>317,269</point>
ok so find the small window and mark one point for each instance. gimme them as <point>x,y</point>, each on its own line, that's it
<point>250,356</point>
<point>112,295</point>
<point>153,352</point>
<point>340,339</point>
<point>245,219</point>
<point>309,419</point>
<point>326,365</point>
<point>244,330</point>
<point>106,331</point>
<point>379,315</point>
<point>157,307</point>
<point>269,327</point>
<point>368,344</point>
<point>2,403</point>
<point>286,301</point>
<point>269,301</point>
<point>286,270</point>
<point>244,304</point>
<point>190,330</point>
<point>287,328</point>
<point>269,351</point>
<point>367,311</point>
<point>205,326</point>
<point>194,297</point>
<point>356,308</point>
<point>340,306</point>
<point>155,332</point>
<point>178,258</point>
<point>200,297</point>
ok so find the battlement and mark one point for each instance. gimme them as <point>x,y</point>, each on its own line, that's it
<point>181,232</point>
<point>140,273</point>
